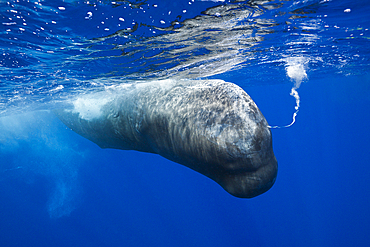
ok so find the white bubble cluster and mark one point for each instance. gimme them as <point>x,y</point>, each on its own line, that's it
<point>296,71</point>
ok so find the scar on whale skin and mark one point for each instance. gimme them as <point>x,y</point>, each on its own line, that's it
<point>210,126</point>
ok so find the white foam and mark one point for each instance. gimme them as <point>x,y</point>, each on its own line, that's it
<point>90,107</point>
<point>295,69</point>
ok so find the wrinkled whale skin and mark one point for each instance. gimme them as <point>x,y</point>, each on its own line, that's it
<point>210,126</point>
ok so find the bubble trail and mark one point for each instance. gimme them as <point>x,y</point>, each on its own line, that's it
<point>296,71</point>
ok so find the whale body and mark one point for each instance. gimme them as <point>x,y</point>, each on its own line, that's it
<point>210,126</point>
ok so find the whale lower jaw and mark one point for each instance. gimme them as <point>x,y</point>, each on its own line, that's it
<point>250,184</point>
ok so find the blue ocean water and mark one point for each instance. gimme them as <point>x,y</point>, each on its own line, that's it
<point>305,63</point>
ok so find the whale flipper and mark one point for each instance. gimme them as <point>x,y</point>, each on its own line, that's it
<point>210,126</point>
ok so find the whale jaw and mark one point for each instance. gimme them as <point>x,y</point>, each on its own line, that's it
<point>250,184</point>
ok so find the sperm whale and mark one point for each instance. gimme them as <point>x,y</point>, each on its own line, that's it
<point>210,126</point>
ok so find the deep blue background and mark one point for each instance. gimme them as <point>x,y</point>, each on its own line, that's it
<point>133,199</point>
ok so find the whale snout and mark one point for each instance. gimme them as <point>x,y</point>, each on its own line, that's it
<point>248,184</point>
<point>253,169</point>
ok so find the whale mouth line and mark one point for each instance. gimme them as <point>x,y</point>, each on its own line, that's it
<point>245,183</point>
